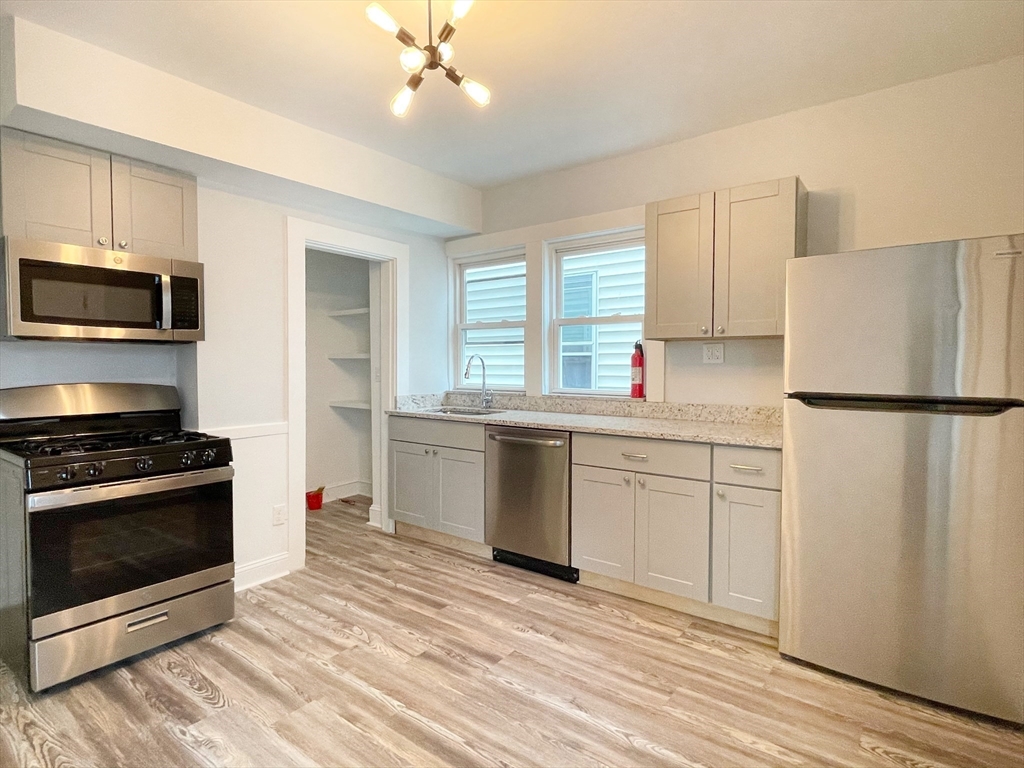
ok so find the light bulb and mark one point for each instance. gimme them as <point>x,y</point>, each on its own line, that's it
<point>459,9</point>
<point>402,101</point>
<point>376,13</point>
<point>446,52</point>
<point>478,93</point>
<point>412,59</point>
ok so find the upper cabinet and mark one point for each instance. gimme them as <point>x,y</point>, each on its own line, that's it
<point>63,193</point>
<point>154,210</point>
<point>54,191</point>
<point>680,267</point>
<point>716,262</point>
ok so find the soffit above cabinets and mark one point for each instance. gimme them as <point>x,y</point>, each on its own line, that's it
<point>561,99</point>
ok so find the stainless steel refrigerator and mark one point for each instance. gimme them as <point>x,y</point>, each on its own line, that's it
<point>903,487</point>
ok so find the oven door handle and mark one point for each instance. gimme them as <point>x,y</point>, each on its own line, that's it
<point>73,497</point>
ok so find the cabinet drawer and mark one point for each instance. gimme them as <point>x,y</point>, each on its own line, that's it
<point>656,457</point>
<point>449,434</point>
<point>752,467</point>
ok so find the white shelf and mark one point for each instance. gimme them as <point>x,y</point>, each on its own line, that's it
<point>356,404</point>
<point>349,356</point>
<point>350,312</point>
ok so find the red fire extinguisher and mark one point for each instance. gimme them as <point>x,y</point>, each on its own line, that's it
<point>636,371</point>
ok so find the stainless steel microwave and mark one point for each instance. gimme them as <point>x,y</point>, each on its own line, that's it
<point>58,291</point>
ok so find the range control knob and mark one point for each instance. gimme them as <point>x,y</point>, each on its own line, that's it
<point>94,470</point>
<point>208,455</point>
<point>188,458</point>
<point>67,474</point>
<point>144,464</point>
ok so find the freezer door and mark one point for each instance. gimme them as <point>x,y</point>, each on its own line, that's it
<point>903,551</point>
<point>940,319</point>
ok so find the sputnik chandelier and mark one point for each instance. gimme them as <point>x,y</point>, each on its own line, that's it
<point>415,59</point>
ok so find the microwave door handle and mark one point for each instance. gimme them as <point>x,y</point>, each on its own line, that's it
<point>168,316</point>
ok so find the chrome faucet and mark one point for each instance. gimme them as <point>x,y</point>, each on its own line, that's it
<point>486,396</point>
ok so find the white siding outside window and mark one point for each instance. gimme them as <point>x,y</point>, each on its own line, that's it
<point>599,306</point>
<point>492,322</point>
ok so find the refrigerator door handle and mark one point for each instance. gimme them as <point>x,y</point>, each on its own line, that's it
<point>962,407</point>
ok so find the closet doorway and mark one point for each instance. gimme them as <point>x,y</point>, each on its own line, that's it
<point>342,354</point>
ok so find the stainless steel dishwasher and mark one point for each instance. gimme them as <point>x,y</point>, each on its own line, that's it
<point>526,499</point>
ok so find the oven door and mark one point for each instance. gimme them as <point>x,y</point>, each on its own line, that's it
<point>99,551</point>
<point>67,291</point>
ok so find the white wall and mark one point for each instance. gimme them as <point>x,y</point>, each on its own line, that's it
<point>58,86</point>
<point>27,363</point>
<point>241,367</point>
<point>338,441</point>
<point>936,159</point>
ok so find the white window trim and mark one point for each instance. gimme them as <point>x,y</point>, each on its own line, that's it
<point>458,324</point>
<point>556,250</point>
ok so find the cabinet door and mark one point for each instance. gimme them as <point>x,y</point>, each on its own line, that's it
<point>460,480</point>
<point>672,535</point>
<point>54,191</point>
<point>602,521</point>
<point>413,491</point>
<point>755,232</point>
<point>154,210</point>
<point>680,265</point>
<point>745,550</point>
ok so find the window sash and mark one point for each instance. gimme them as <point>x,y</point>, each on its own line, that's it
<point>594,246</point>
<point>462,325</point>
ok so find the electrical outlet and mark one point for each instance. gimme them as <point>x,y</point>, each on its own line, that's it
<point>280,514</point>
<point>714,353</point>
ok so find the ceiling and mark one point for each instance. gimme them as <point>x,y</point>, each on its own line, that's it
<point>572,80</point>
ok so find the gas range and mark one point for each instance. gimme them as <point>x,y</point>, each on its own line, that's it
<point>91,458</point>
<point>117,527</point>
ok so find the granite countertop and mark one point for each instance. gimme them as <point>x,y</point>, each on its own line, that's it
<point>717,432</point>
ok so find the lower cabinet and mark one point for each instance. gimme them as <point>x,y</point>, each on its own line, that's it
<point>438,488</point>
<point>671,540</point>
<point>602,521</point>
<point>460,493</point>
<point>647,529</point>
<point>745,549</point>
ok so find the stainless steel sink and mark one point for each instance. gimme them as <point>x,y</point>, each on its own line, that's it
<point>463,411</point>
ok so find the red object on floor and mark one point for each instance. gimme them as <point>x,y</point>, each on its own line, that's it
<point>314,500</point>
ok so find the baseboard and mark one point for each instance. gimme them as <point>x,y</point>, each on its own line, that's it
<point>376,516</point>
<point>443,539</point>
<point>336,491</point>
<point>259,571</point>
<point>681,604</point>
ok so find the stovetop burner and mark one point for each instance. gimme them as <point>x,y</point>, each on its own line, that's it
<point>75,445</point>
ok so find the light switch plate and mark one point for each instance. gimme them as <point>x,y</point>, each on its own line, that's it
<point>280,514</point>
<point>714,353</point>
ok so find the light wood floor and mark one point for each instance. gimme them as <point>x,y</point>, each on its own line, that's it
<point>387,651</point>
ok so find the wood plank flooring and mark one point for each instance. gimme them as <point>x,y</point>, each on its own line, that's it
<point>389,651</point>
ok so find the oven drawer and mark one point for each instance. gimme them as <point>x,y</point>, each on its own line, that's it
<point>74,653</point>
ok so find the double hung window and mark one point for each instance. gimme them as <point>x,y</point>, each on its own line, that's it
<point>492,322</point>
<point>599,307</point>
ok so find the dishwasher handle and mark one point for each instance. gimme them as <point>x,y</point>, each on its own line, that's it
<point>543,442</point>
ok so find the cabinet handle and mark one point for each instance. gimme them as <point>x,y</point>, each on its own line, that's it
<point>103,241</point>
<point>720,329</point>
<point>746,468</point>
<point>426,451</point>
<point>435,451</point>
<point>721,494</point>
<point>625,479</point>
<point>641,482</point>
<point>637,456</point>
<point>123,243</point>
<point>704,330</point>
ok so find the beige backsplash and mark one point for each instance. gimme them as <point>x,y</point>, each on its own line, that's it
<point>604,406</point>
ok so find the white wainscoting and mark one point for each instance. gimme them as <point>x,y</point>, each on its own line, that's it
<point>262,549</point>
